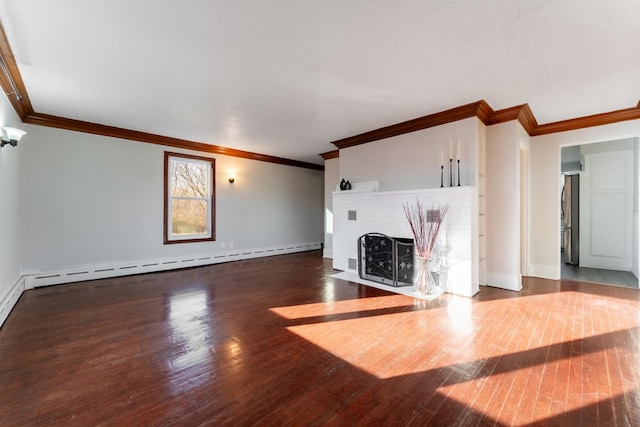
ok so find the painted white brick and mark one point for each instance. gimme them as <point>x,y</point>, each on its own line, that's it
<point>382,212</point>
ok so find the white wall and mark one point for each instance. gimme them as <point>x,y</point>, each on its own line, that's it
<point>331,179</point>
<point>635,253</point>
<point>503,205</point>
<point>412,160</point>
<point>544,253</point>
<point>608,146</point>
<point>10,190</point>
<point>91,200</point>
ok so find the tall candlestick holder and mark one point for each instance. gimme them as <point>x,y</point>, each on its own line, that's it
<point>458,172</point>
<point>450,172</point>
<point>441,176</point>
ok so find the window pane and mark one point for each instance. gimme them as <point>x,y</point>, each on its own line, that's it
<point>189,198</point>
<point>189,179</point>
<point>189,217</point>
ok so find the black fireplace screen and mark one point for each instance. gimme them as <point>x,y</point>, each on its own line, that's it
<point>386,260</point>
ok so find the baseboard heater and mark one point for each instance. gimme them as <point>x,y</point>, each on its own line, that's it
<point>386,260</point>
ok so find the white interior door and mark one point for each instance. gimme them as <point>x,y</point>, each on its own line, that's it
<point>606,205</point>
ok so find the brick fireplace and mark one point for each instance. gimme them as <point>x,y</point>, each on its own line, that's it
<point>365,210</point>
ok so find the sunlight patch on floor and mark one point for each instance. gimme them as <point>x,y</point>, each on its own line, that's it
<point>388,345</point>
<point>338,307</point>
<point>559,387</point>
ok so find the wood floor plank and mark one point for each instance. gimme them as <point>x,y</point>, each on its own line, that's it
<point>276,341</point>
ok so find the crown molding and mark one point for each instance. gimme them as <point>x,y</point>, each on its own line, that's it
<point>331,154</point>
<point>601,119</point>
<point>481,109</point>
<point>115,132</point>
<point>485,112</point>
<point>527,119</point>
<point>503,116</point>
<point>21,106</point>
<point>521,113</point>
<point>475,109</point>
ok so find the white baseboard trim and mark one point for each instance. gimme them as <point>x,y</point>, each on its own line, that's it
<point>327,253</point>
<point>35,280</point>
<point>10,299</point>
<point>545,271</point>
<point>512,282</point>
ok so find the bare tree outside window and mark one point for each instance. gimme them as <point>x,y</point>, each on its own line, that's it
<point>188,198</point>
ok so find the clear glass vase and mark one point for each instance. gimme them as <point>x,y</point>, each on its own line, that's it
<point>423,281</point>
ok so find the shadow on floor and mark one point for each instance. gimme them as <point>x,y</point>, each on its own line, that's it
<point>597,275</point>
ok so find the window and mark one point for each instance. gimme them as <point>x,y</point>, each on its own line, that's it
<point>189,200</point>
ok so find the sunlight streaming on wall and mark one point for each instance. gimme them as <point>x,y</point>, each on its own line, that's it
<point>328,218</point>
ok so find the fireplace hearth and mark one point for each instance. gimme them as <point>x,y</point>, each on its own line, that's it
<point>386,260</point>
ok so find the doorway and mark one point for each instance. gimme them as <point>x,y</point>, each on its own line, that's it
<point>602,230</point>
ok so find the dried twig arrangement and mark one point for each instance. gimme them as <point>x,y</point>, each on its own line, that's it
<point>425,225</point>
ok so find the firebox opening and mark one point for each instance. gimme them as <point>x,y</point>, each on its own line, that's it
<point>386,260</point>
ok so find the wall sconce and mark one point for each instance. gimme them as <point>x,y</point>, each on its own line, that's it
<point>11,136</point>
<point>232,179</point>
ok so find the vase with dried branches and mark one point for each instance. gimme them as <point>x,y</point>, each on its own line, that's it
<point>425,225</point>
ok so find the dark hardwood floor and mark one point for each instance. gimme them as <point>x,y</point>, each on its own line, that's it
<point>275,341</point>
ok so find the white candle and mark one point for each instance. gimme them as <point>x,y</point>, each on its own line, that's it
<point>458,151</point>
<point>441,157</point>
<point>450,149</point>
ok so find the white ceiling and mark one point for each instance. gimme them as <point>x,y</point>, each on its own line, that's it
<point>286,78</point>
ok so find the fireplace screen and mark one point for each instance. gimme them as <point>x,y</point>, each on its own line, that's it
<point>386,260</point>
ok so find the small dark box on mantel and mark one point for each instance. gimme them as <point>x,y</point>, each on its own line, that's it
<point>433,215</point>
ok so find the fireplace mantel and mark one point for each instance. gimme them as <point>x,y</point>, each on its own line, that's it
<point>381,212</point>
